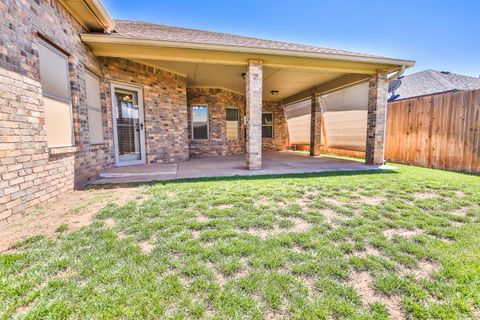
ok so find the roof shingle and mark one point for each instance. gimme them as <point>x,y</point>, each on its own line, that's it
<point>151,31</point>
<point>431,81</point>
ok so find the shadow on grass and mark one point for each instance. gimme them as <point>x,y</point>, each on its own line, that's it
<point>249,178</point>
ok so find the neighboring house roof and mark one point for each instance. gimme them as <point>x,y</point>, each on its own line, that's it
<point>431,81</point>
<point>151,31</point>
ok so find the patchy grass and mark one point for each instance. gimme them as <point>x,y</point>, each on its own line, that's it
<point>403,243</point>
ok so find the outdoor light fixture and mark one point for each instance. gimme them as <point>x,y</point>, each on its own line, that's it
<point>244,75</point>
<point>274,92</point>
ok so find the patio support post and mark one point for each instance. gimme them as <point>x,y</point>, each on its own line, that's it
<point>377,118</point>
<point>315,125</point>
<point>254,83</point>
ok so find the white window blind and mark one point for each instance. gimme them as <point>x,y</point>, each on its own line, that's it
<point>54,77</point>
<point>94,109</point>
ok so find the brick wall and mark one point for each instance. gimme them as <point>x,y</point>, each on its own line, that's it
<point>30,172</point>
<point>218,100</point>
<point>280,132</point>
<point>165,106</point>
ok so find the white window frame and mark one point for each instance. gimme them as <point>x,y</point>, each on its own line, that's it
<point>273,134</point>
<point>69,101</point>
<point>208,121</point>
<point>95,109</point>
<point>238,122</point>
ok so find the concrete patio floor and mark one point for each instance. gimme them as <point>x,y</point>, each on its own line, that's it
<point>200,167</point>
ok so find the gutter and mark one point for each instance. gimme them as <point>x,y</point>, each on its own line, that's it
<point>110,39</point>
<point>101,14</point>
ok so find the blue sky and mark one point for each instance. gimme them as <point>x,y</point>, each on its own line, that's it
<point>441,35</point>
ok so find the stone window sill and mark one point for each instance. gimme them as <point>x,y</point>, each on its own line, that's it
<point>62,150</point>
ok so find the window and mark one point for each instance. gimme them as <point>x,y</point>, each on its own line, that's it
<point>54,77</point>
<point>232,124</point>
<point>199,122</point>
<point>94,109</point>
<point>267,125</point>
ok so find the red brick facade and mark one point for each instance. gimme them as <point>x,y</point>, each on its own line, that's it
<point>217,100</point>
<point>32,173</point>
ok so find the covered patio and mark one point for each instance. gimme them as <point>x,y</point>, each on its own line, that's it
<point>213,95</point>
<point>274,162</point>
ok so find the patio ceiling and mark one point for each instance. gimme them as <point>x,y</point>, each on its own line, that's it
<point>291,72</point>
<point>287,81</point>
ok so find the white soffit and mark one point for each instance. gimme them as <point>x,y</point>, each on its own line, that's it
<point>287,81</point>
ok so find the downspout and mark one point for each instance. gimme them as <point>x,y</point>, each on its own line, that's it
<point>398,74</point>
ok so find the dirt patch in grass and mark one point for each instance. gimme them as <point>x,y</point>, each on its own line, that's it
<point>459,194</point>
<point>460,212</point>
<point>362,282</point>
<point>75,208</point>
<point>299,225</point>
<point>390,233</point>
<point>368,251</point>
<point>333,201</point>
<point>224,206</point>
<point>261,202</point>
<point>196,234</point>
<point>303,203</point>
<point>110,222</point>
<point>146,247</point>
<point>203,219</point>
<point>374,200</point>
<point>331,217</point>
<point>425,195</point>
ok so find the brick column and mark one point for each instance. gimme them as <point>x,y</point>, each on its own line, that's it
<point>315,125</point>
<point>254,88</point>
<point>376,122</point>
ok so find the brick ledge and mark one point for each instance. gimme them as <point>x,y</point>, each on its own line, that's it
<point>62,150</point>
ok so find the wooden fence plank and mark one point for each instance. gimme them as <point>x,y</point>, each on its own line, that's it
<point>440,131</point>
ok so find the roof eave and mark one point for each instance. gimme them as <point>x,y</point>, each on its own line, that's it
<point>91,14</point>
<point>101,38</point>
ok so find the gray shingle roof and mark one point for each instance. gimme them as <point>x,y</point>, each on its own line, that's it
<point>431,81</point>
<point>146,30</point>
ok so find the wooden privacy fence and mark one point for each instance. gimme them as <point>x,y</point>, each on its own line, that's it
<point>439,131</point>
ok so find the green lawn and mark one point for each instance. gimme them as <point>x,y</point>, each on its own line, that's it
<point>403,243</point>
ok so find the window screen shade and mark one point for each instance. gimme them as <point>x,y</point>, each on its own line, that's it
<point>95,125</point>
<point>58,124</point>
<point>54,77</point>
<point>232,124</point>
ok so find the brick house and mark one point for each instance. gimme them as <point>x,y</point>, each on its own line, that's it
<point>80,92</point>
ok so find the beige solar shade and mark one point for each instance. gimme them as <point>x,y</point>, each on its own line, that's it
<point>95,124</point>
<point>299,129</point>
<point>351,98</point>
<point>54,75</point>
<point>298,121</point>
<point>58,122</point>
<point>345,116</point>
<point>346,129</point>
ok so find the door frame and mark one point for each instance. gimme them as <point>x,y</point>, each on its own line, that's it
<point>139,90</point>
